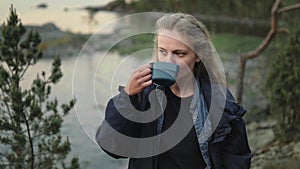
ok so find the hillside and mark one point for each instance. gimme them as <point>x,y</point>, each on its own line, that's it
<point>56,41</point>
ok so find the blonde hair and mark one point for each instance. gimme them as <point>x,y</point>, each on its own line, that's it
<point>195,31</point>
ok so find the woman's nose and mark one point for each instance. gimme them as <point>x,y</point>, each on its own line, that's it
<point>170,58</point>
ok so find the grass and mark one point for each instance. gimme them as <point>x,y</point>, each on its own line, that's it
<point>231,43</point>
<point>134,43</point>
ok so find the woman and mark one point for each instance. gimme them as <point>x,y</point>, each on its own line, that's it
<point>192,124</point>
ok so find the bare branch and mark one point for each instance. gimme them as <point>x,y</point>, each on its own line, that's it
<point>261,47</point>
<point>275,6</point>
<point>289,8</point>
<point>264,44</point>
<point>255,53</point>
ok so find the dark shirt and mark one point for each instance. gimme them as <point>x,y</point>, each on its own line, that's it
<point>186,154</point>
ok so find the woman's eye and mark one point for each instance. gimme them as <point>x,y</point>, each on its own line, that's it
<point>180,54</point>
<point>163,52</point>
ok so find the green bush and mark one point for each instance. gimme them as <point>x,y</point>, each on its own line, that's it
<point>284,89</point>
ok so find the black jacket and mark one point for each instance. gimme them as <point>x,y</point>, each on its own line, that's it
<point>228,146</point>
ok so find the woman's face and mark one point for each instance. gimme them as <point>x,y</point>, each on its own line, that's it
<point>174,48</point>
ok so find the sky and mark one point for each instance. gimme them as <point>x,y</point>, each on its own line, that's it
<point>73,20</point>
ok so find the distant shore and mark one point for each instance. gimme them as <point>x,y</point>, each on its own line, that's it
<point>58,42</point>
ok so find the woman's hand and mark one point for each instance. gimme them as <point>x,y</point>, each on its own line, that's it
<point>139,79</point>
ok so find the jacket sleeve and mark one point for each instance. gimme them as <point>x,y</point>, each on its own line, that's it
<point>116,126</point>
<point>236,152</point>
<point>230,148</point>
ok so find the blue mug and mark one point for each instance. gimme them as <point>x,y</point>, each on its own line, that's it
<point>164,73</point>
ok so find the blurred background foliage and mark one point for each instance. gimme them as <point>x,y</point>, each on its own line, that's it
<point>237,16</point>
<point>235,8</point>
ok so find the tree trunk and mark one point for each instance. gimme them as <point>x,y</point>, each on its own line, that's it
<point>240,76</point>
<point>275,12</point>
<point>255,53</point>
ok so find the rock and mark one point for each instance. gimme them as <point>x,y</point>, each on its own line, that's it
<point>259,135</point>
<point>296,150</point>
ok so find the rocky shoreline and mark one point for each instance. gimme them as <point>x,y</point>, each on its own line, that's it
<point>268,152</point>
